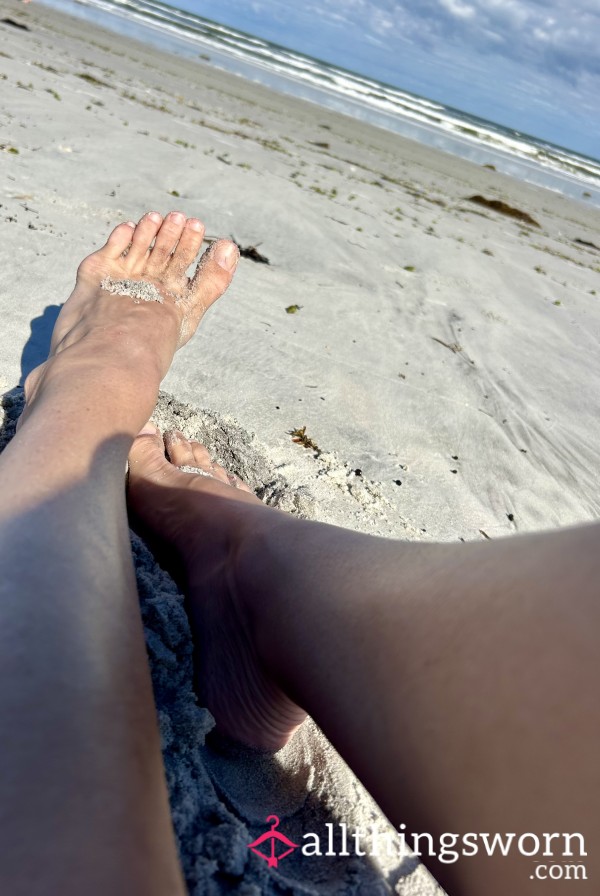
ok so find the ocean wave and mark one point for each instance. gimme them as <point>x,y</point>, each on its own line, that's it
<point>362,97</point>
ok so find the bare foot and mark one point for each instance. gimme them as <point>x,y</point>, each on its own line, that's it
<point>124,333</point>
<point>194,514</point>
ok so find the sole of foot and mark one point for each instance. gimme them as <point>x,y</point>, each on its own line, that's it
<point>195,516</point>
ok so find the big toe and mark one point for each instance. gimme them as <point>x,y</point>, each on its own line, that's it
<point>147,456</point>
<point>213,275</point>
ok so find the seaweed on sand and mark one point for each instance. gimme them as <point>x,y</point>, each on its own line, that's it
<point>503,208</point>
<point>300,438</point>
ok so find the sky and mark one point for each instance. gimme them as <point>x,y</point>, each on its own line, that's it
<point>533,65</point>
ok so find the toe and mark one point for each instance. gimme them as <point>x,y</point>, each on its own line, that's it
<point>147,454</point>
<point>167,239</point>
<point>213,275</point>
<point>185,453</point>
<point>202,456</point>
<point>236,482</point>
<point>180,451</point>
<point>203,460</point>
<point>215,271</point>
<point>224,475</point>
<point>188,247</point>
<point>119,240</point>
<point>141,240</point>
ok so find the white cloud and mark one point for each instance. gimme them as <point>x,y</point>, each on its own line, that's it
<point>382,22</point>
<point>458,9</point>
<point>562,36</point>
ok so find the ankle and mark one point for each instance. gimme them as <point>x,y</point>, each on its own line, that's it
<point>115,397</point>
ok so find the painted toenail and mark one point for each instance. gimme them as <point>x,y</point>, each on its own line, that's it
<point>226,255</point>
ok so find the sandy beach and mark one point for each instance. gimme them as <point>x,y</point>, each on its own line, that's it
<point>427,327</point>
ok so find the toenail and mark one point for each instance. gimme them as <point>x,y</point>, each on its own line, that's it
<point>226,255</point>
<point>149,430</point>
<point>131,223</point>
<point>177,217</point>
<point>155,216</point>
<point>194,224</point>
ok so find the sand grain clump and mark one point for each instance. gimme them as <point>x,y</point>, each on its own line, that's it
<point>139,290</point>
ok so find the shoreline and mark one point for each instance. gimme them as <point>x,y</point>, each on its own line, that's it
<point>305,110</point>
<point>447,136</point>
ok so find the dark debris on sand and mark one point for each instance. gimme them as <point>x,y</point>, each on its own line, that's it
<point>503,208</point>
<point>21,25</point>
<point>252,253</point>
<point>587,244</point>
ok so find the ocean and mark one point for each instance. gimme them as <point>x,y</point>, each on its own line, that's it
<point>450,130</point>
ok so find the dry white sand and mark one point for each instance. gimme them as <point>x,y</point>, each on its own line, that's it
<point>443,357</point>
<point>138,290</point>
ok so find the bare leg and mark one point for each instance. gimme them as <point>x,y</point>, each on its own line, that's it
<point>82,793</point>
<point>458,681</point>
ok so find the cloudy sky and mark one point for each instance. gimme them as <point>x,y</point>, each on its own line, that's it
<point>533,65</point>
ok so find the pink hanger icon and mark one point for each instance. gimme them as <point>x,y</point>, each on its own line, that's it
<point>274,836</point>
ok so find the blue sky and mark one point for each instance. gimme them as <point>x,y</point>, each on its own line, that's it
<point>533,65</point>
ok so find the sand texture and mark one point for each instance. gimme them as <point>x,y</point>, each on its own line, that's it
<point>411,362</point>
<point>138,290</point>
